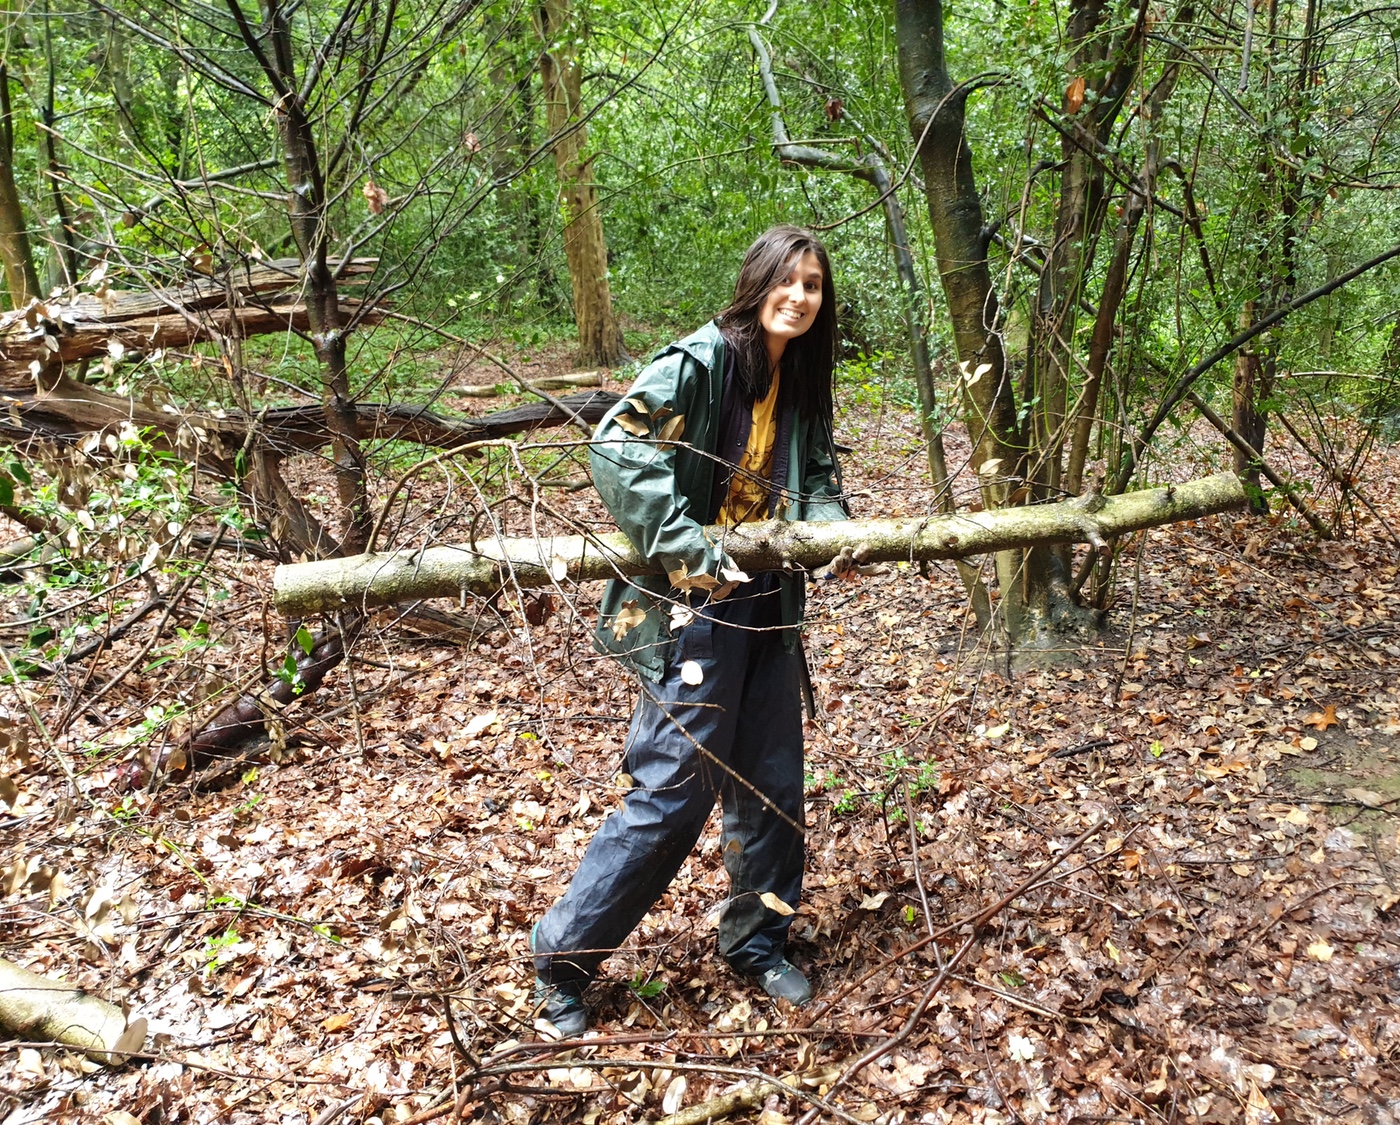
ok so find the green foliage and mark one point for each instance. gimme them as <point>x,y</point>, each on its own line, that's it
<point>645,989</point>
<point>221,949</point>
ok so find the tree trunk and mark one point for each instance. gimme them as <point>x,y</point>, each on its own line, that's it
<point>871,168</point>
<point>1280,206</point>
<point>1115,285</point>
<point>775,545</point>
<point>21,279</point>
<point>599,334</point>
<point>955,210</point>
<point>1036,600</point>
<point>310,223</point>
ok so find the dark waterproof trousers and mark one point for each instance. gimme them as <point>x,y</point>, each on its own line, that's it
<point>736,734</point>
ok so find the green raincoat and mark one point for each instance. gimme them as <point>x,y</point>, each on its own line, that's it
<point>655,470</point>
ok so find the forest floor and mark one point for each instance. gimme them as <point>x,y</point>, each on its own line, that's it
<point>1179,840</point>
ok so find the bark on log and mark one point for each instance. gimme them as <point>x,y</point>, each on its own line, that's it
<point>80,338</point>
<point>55,1011</point>
<point>72,410</point>
<point>81,327</point>
<point>382,579</point>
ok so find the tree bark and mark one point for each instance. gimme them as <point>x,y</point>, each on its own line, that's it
<point>1281,196</point>
<point>871,168</point>
<point>1079,220</point>
<point>1115,285</point>
<point>80,332</point>
<point>21,278</point>
<point>599,334</point>
<point>382,579</point>
<point>1035,592</point>
<point>49,1010</point>
<point>936,109</point>
<point>310,220</point>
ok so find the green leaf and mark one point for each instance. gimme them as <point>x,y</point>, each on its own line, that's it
<point>647,990</point>
<point>305,639</point>
<point>7,491</point>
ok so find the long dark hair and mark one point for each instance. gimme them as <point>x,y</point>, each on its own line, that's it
<point>808,359</point>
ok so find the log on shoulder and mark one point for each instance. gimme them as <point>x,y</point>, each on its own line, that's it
<point>435,572</point>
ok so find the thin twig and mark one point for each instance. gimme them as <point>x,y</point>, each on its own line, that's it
<point>171,603</point>
<point>335,1111</point>
<point>37,720</point>
<point>914,852</point>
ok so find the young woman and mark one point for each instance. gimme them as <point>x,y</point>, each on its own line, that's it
<point>731,424</point>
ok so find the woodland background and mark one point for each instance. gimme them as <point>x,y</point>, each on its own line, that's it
<point>1096,833</point>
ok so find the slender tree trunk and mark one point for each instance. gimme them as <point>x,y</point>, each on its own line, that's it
<point>65,257</point>
<point>20,276</point>
<point>1281,195</point>
<point>306,207</point>
<point>1115,284</point>
<point>873,171</point>
<point>599,335</point>
<point>955,209</point>
<point>129,106</point>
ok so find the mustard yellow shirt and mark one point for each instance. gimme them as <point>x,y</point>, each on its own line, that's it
<point>748,487</point>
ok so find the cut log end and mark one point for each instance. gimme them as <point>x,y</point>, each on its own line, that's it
<point>55,1011</point>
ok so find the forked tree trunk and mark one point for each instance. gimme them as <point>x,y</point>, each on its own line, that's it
<point>310,223</point>
<point>1036,599</point>
<point>599,334</point>
<point>872,169</point>
<point>1092,107</point>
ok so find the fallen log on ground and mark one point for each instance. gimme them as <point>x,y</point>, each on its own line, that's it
<point>549,383</point>
<point>436,572</point>
<point>73,410</point>
<point>55,1011</point>
<point>265,298</point>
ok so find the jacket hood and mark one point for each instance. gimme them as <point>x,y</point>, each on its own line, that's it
<point>703,345</point>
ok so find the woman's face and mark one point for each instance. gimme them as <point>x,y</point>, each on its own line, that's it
<point>791,305</point>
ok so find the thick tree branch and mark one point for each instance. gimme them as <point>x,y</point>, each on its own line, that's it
<point>382,579</point>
